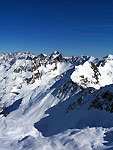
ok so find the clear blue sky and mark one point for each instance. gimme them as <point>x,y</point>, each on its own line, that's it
<point>69,26</point>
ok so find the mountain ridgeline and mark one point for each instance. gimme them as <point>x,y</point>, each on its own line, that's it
<point>52,98</point>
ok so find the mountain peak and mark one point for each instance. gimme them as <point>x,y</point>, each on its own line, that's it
<point>56,52</point>
<point>59,95</point>
<point>110,57</point>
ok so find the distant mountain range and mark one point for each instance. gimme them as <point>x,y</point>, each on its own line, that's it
<point>53,102</point>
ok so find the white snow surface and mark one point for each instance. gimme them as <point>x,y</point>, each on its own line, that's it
<point>105,76</point>
<point>34,113</point>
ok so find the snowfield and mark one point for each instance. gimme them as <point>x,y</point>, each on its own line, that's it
<point>52,102</point>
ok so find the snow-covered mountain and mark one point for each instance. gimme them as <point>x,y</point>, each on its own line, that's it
<point>94,75</point>
<point>55,102</point>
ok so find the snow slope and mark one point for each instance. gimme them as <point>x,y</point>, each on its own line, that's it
<point>91,75</point>
<point>54,102</point>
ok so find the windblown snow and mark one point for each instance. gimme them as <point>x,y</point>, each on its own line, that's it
<point>53,102</point>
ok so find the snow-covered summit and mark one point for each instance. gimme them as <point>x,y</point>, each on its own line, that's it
<point>49,101</point>
<point>90,74</point>
<point>109,57</point>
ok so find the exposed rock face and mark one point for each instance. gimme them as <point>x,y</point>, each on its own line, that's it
<point>103,100</point>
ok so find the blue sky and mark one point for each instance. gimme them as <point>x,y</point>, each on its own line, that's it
<point>73,27</point>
